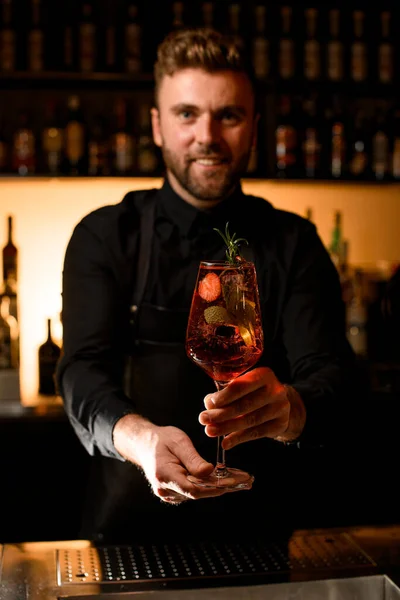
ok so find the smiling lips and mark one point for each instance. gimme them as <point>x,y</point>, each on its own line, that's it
<point>210,161</point>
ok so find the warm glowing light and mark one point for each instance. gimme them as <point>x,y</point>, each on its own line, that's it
<point>47,210</point>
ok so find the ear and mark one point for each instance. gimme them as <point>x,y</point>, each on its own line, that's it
<point>155,123</point>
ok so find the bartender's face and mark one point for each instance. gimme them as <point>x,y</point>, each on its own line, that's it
<point>205,125</point>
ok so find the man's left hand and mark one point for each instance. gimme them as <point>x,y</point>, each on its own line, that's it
<point>253,406</point>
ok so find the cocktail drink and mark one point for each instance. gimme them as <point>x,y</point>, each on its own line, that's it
<point>225,338</point>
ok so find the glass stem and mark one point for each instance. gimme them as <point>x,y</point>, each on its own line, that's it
<point>220,468</point>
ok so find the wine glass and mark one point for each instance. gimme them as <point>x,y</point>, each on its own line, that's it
<point>225,338</point>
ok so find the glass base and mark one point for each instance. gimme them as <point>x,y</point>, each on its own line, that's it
<point>232,479</point>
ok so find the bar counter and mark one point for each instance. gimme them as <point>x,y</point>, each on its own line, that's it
<point>359,563</point>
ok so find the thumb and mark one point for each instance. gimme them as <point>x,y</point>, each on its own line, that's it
<point>192,461</point>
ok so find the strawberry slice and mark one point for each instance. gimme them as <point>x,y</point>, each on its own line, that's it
<point>210,287</point>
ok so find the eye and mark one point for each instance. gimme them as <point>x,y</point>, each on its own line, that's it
<point>186,115</point>
<point>230,117</point>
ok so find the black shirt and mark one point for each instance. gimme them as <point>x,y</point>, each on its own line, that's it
<point>303,316</point>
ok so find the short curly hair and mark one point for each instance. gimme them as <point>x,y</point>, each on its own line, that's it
<point>201,48</point>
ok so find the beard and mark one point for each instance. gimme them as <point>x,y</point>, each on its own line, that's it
<point>215,185</point>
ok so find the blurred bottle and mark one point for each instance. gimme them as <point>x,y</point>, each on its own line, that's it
<point>9,336</point>
<point>69,47</point>
<point>98,148</point>
<point>8,41</point>
<point>10,260</point>
<point>396,144</point>
<point>75,139</point>
<point>147,158</point>
<point>261,59</point>
<point>178,15</point>
<point>48,356</point>
<point>52,140</point>
<point>111,35</point>
<point>338,140</point>
<point>386,49</point>
<point>87,39</point>
<point>234,10</point>
<point>359,148</point>
<point>311,143</point>
<point>309,213</point>
<point>357,316</point>
<point>286,138</point>
<point>24,147</point>
<point>336,244</point>
<point>380,146</point>
<point>35,57</point>
<point>312,47</point>
<point>208,10</point>
<point>133,40</point>
<point>122,141</point>
<point>359,58</point>
<point>335,48</point>
<point>4,147</point>
<point>286,50</point>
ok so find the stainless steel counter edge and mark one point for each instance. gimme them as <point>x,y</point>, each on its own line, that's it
<point>29,570</point>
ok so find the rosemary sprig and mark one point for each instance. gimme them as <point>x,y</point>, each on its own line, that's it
<point>233,254</point>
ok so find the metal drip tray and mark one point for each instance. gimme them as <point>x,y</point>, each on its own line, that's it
<point>378,587</point>
<point>166,562</point>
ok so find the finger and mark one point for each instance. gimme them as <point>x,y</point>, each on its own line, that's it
<point>250,420</point>
<point>191,459</point>
<point>243,385</point>
<point>245,405</point>
<point>271,429</point>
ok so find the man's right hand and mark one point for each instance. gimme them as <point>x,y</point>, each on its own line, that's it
<point>166,455</point>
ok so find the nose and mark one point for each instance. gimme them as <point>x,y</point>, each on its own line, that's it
<point>208,130</point>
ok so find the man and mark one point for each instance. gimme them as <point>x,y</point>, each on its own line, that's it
<point>129,389</point>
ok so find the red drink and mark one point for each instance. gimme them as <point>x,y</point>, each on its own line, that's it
<point>224,335</point>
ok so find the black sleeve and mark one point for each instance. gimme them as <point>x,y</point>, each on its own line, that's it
<point>321,360</point>
<point>89,375</point>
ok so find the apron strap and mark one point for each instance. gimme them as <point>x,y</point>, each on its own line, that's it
<point>143,264</point>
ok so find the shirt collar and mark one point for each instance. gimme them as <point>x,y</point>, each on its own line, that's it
<point>188,218</point>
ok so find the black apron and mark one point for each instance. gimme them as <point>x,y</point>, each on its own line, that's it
<point>168,389</point>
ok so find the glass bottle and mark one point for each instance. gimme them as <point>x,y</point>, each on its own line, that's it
<point>385,49</point>
<point>23,147</point>
<point>48,356</point>
<point>396,144</point>
<point>357,316</point>
<point>178,15</point>
<point>52,140</point>
<point>75,139</point>
<point>286,54</point>
<point>380,146</point>
<point>147,158</point>
<point>335,48</point>
<point>10,259</point>
<point>207,9</point>
<point>312,47</point>
<point>359,151</point>
<point>87,39</point>
<point>311,144</point>
<point>8,41</point>
<point>98,148</point>
<point>338,140</point>
<point>35,58</point>
<point>359,60</point>
<point>234,10</point>
<point>4,148</point>
<point>133,40</point>
<point>261,60</point>
<point>122,142</point>
<point>336,244</point>
<point>286,137</point>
